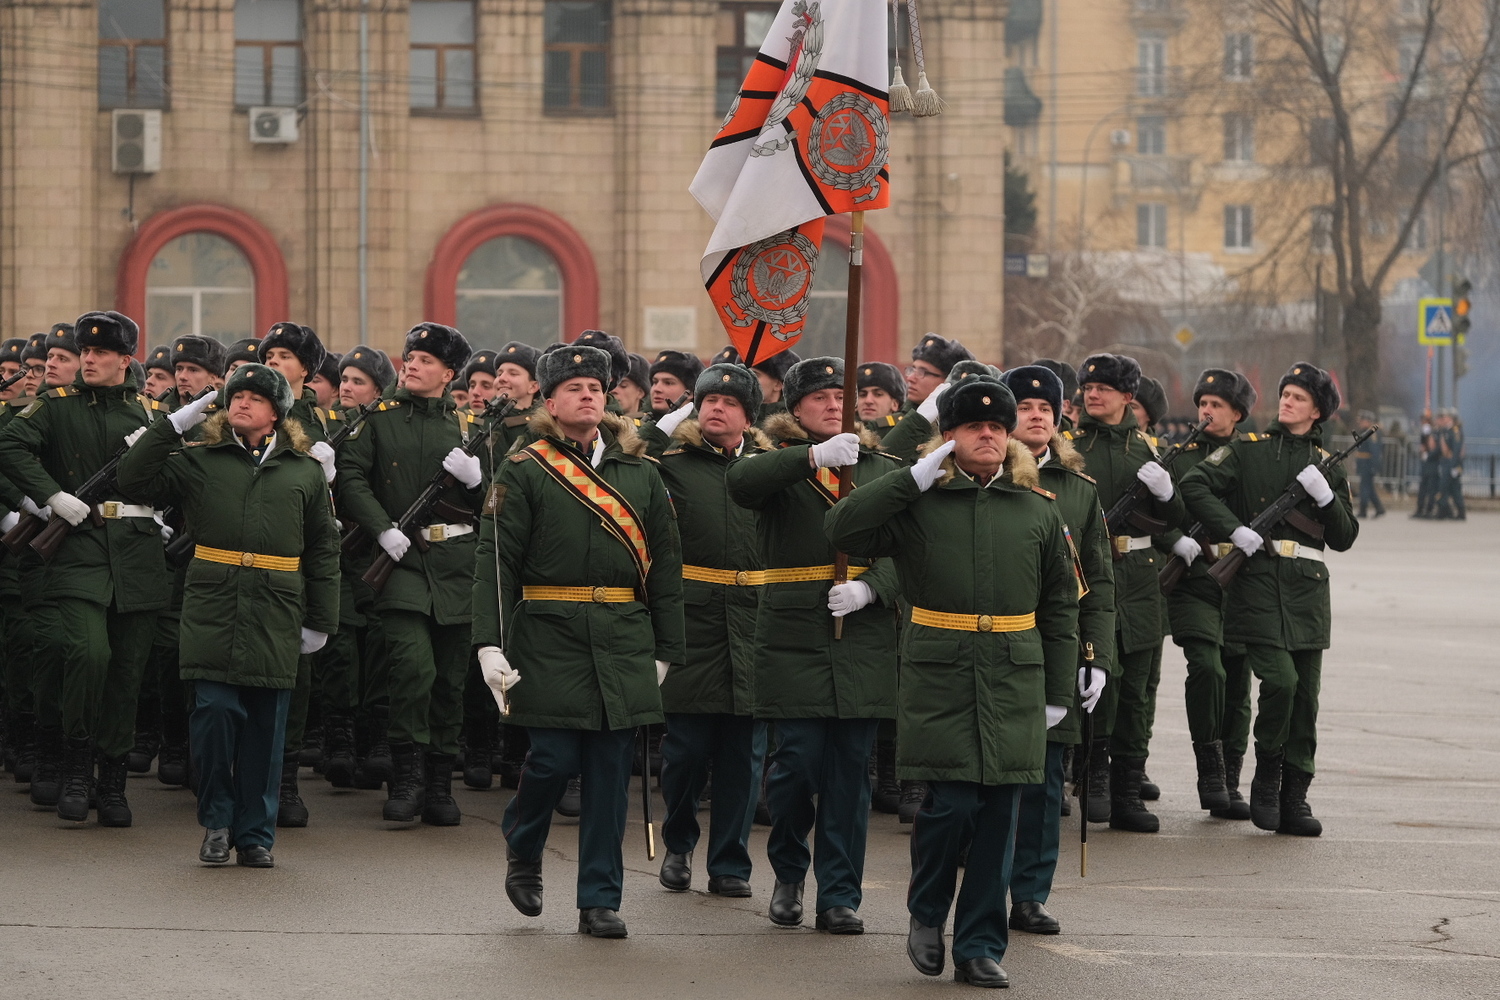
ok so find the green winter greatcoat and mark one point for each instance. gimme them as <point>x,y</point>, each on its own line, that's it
<point>1195,607</point>
<point>973,704</point>
<point>801,672</point>
<point>1273,601</point>
<point>583,665</point>
<point>242,625</point>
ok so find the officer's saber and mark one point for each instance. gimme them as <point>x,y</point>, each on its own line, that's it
<point>851,392</point>
<point>646,792</point>
<point>1083,783</point>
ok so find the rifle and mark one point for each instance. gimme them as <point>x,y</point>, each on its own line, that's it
<point>95,490</point>
<point>1175,569</point>
<point>19,537</point>
<point>1283,508</point>
<point>430,499</point>
<point>1083,766</point>
<point>11,380</point>
<point>1126,510</point>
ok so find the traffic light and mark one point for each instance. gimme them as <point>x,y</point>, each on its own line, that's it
<point>1461,306</point>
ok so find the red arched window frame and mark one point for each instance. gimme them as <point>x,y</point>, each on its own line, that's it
<point>244,231</point>
<point>575,263</point>
<point>879,289</point>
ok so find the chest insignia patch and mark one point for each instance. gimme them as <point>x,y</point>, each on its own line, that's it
<point>1218,455</point>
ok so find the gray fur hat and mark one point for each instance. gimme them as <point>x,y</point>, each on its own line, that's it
<point>681,365</point>
<point>442,342</point>
<point>879,375</point>
<point>777,365</point>
<point>1036,381</point>
<point>263,380</point>
<point>35,349</point>
<point>300,340</point>
<point>107,330</point>
<point>205,352</point>
<point>969,368</point>
<point>1064,371</point>
<point>578,361</point>
<point>1154,398</point>
<point>242,350</point>
<point>977,399</point>
<point>161,357</point>
<point>1114,370</point>
<point>940,353</point>
<point>730,380</point>
<point>517,353</point>
<point>812,375</point>
<point>1232,387</point>
<point>373,362</point>
<point>1319,385</point>
<point>619,358</point>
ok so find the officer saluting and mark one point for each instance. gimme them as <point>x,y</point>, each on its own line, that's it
<point>990,658</point>
<point>579,580</point>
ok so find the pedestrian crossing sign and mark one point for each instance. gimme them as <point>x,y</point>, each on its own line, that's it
<point>1435,322</point>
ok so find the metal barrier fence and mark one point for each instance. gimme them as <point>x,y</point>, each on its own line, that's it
<point>1401,465</point>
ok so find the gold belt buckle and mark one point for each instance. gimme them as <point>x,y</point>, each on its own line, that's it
<point>986,623</point>
<point>1122,544</point>
<point>247,558</point>
<point>742,579</point>
<point>437,532</point>
<point>598,595</point>
<point>1288,549</point>
<point>111,509</point>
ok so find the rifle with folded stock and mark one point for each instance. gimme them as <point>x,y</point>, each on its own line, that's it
<point>95,490</point>
<point>1126,511</point>
<point>1175,569</point>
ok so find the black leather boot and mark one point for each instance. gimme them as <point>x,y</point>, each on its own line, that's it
<point>291,811</point>
<point>1150,790</point>
<point>1099,776</point>
<point>1238,807</point>
<point>1212,794</point>
<point>438,807</point>
<point>373,753</point>
<point>78,780</point>
<point>46,775</point>
<point>887,796</point>
<point>1126,810</point>
<point>477,770</point>
<point>23,738</point>
<point>571,803</point>
<point>523,883</point>
<point>1265,790</point>
<point>114,810</point>
<point>913,793</point>
<point>172,764</point>
<point>408,787</point>
<point>1296,815</point>
<point>338,761</point>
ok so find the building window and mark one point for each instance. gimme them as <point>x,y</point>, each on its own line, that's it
<point>1151,225</point>
<point>1239,139</point>
<point>200,284</point>
<point>1151,136</point>
<point>510,288</point>
<point>132,54</point>
<point>741,29</point>
<point>1239,55</point>
<point>1151,66</point>
<point>1321,229</point>
<point>267,53</point>
<point>442,56</point>
<point>1239,227</point>
<point>577,57</point>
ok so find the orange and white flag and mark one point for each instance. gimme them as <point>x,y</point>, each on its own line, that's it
<point>807,137</point>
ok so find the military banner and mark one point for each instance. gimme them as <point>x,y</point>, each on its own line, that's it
<point>807,137</point>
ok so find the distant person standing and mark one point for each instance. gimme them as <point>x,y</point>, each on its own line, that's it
<point>1450,445</point>
<point>1430,484</point>
<point>1367,465</point>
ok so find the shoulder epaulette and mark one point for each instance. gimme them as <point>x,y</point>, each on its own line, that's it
<point>472,419</point>
<point>516,421</point>
<point>331,414</point>
<point>1045,493</point>
<point>1255,437</point>
<point>1192,446</point>
<point>1155,441</point>
<point>518,456</point>
<point>61,392</point>
<point>650,458</point>
<point>389,404</point>
<point>891,420</point>
<point>152,404</point>
<point>674,451</point>
<point>1084,476</point>
<point>1070,435</point>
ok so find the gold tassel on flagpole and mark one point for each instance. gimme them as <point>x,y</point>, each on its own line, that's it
<point>925,103</point>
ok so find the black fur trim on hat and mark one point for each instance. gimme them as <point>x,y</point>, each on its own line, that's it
<point>482,360</point>
<point>373,362</point>
<point>969,368</point>
<point>11,348</point>
<point>728,356</point>
<point>640,372</point>
<point>161,357</point>
<point>577,361</point>
<point>330,368</point>
<point>204,352</point>
<point>1114,370</point>
<point>517,353</point>
<point>812,375</point>
<point>442,342</point>
<point>1232,387</point>
<point>730,380</point>
<point>1036,382</point>
<point>1064,371</point>
<point>940,353</point>
<point>138,373</point>
<point>976,399</point>
<point>619,358</point>
<point>263,380</point>
<point>300,340</point>
<point>1318,384</point>
<point>1154,398</point>
<point>681,365</point>
<point>106,330</point>
<point>242,350</point>
<point>879,375</point>
<point>777,365</point>
<point>35,349</point>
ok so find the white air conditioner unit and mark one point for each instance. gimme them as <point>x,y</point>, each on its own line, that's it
<point>1119,137</point>
<point>135,141</point>
<point>273,124</point>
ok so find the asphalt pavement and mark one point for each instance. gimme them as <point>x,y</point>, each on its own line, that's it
<point>1399,898</point>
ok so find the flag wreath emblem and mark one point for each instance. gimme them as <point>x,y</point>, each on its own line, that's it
<point>771,282</point>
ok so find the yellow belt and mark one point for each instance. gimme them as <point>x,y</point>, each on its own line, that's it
<point>594,595</point>
<point>803,574</point>
<point>728,577</point>
<point>973,623</point>
<point>287,564</point>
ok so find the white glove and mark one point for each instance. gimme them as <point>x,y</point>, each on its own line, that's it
<point>929,469</point>
<point>1316,485</point>
<point>837,451</point>
<point>313,641</point>
<point>166,529</point>
<point>928,406</point>
<point>134,436</point>
<point>1055,714</point>
<point>1186,549</point>
<point>192,414</point>
<point>847,598</point>
<point>395,543</point>
<point>1247,541</point>
<point>1088,694</point>
<point>1157,479</point>
<point>464,467</point>
<point>670,422</point>
<point>324,453</point>
<point>496,670</point>
<point>68,507</point>
<point>661,672</point>
<point>30,507</point>
<point>9,521</point>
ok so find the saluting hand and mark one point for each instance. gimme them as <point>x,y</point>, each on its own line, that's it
<point>930,468</point>
<point>192,414</point>
<point>464,467</point>
<point>669,422</point>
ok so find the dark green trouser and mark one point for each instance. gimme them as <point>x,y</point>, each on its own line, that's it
<point>296,716</point>
<point>19,636</point>
<point>1127,705</point>
<point>338,671</point>
<point>1287,715</point>
<point>1235,729</point>
<point>96,654</point>
<point>374,666</point>
<point>427,666</point>
<point>1204,689</point>
<point>1152,684</point>
<point>1039,833</point>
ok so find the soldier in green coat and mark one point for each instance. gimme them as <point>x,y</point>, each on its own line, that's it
<point>261,589</point>
<point>1279,601</point>
<point>825,696</point>
<point>425,605</point>
<point>579,582</point>
<point>989,662</point>
<point>1117,454</point>
<point>1039,395</point>
<point>19,723</point>
<point>101,592</point>
<point>882,393</point>
<point>933,363</point>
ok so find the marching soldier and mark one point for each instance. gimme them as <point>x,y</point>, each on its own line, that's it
<point>1368,462</point>
<point>1149,406</point>
<point>673,373</point>
<point>63,356</point>
<point>1068,419</point>
<point>15,626</point>
<point>634,388</point>
<point>1116,454</point>
<point>515,376</point>
<point>1279,602</point>
<point>479,379</point>
<point>579,581</point>
<point>882,393</point>
<point>160,375</point>
<point>34,357</point>
<point>933,363</point>
<point>262,587</point>
<point>242,352</point>
<point>990,658</point>
<point>825,697</point>
<point>1039,395</point>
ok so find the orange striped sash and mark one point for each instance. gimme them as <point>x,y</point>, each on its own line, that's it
<point>590,489</point>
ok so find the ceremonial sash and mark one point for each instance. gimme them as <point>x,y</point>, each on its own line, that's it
<point>591,490</point>
<point>1083,586</point>
<point>827,485</point>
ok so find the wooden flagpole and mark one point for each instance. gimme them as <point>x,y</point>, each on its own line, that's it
<point>851,363</point>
